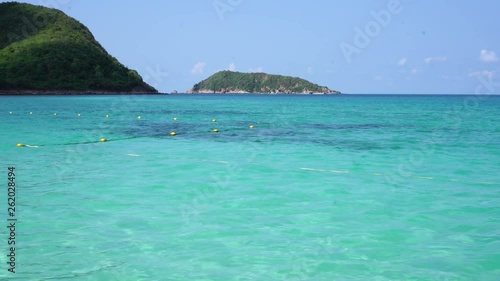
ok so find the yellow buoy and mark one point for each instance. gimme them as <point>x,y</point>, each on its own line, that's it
<point>216,131</point>
<point>173,133</point>
<point>20,145</point>
<point>31,113</point>
<point>55,114</point>
<point>251,126</point>
<point>107,115</point>
<point>175,118</point>
<point>139,117</point>
<point>103,140</point>
<point>78,115</point>
<point>214,120</point>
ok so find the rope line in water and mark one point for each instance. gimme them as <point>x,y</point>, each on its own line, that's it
<point>173,133</point>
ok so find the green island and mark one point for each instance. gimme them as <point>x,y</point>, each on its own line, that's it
<point>237,82</point>
<point>44,51</point>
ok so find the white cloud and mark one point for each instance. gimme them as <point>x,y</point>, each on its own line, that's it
<point>378,78</point>
<point>198,68</point>
<point>258,69</point>
<point>232,67</point>
<point>416,70</point>
<point>402,62</point>
<point>485,73</point>
<point>488,56</point>
<point>435,59</point>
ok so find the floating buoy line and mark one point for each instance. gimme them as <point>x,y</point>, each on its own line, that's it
<point>26,145</point>
<point>103,139</point>
<point>251,126</point>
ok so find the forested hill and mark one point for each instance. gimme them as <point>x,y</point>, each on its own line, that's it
<point>238,82</point>
<point>43,50</point>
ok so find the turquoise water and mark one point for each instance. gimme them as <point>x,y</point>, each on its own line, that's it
<point>323,188</point>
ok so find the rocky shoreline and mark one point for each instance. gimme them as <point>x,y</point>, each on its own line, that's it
<point>233,82</point>
<point>239,91</point>
<point>70,93</point>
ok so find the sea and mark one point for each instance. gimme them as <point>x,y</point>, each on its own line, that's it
<point>289,187</point>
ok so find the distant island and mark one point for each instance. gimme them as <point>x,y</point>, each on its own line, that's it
<point>224,82</point>
<point>44,51</point>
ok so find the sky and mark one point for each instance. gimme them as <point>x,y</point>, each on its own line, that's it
<point>364,47</point>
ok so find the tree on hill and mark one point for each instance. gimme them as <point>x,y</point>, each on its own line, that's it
<point>43,49</point>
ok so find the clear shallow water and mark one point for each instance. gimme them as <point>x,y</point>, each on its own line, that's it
<point>323,188</point>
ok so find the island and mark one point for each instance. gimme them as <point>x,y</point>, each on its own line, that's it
<point>225,82</point>
<point>44,51</point>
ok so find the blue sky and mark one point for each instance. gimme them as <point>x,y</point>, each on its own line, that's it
<point>376,46</point>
